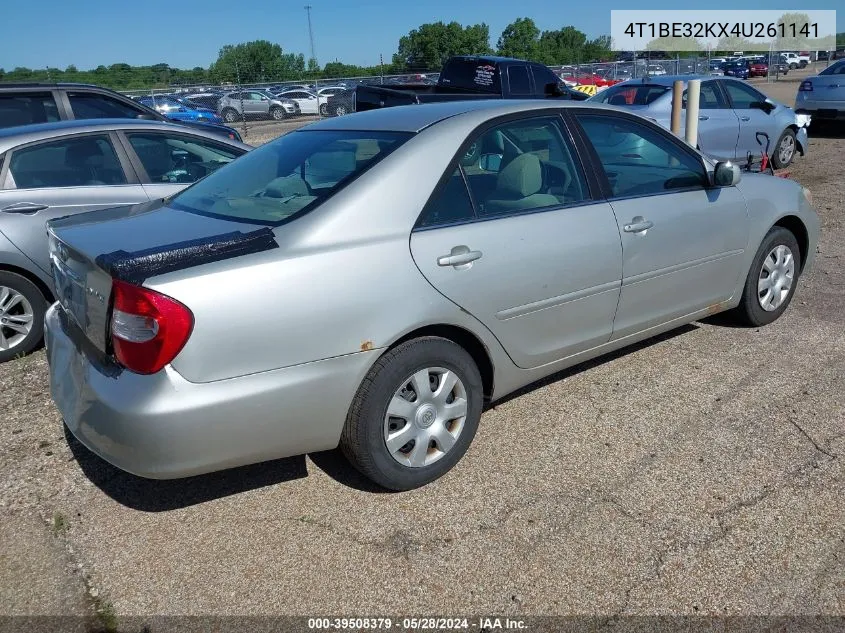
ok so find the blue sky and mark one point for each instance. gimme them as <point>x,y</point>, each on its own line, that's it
<point>188,33</point>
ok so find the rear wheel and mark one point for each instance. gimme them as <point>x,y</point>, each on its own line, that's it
<point>324,109</point>
<point>415,414</point>
<point>785,149</point>
<point>22,308</point>
<point>341,110</point>
<point>772,280</point>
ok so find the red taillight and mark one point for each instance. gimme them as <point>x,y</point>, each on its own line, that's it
<point>148,329</point>
<point>806,86</point>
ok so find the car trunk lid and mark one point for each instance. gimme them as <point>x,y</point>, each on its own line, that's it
<point>89,251</point>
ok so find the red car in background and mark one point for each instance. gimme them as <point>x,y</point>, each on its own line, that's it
<point>758,69</point>
<point>587,79</point>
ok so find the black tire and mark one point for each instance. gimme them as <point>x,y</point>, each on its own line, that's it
<point>788,133</point>
<point>277,114</point>
<point>324,109</point>
<point>749,310</point>
<point>230,115</point>
<point>362,440</point>
<point>38,304</point>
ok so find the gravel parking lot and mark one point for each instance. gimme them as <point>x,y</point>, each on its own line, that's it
<point>700,473</point>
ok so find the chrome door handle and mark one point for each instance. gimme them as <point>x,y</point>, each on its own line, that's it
<point>460,256</point>
<point>25,207</point>
<point>703,117</point>
<point>638,227</point>
<point>745,118</point>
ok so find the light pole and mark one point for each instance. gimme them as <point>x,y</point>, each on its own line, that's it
<point>313,54</point>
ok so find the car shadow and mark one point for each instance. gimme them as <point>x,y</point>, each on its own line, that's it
<point>595,362</point>
<point>161,495</point>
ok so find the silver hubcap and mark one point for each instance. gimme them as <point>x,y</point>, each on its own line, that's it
<point>425,417</point>
<point>787,149</point>
<point>776,278</point>
<point>16,318</point>
<point>341,111</point>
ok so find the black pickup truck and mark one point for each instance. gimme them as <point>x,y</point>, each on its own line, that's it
<point>468,77</point>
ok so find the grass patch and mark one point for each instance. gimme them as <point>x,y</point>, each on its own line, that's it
<point>106,615</point>
<point>60,524</point>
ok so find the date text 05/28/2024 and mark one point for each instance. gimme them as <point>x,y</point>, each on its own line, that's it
<point>417,624</point>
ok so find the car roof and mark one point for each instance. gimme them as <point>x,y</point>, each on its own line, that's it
<point>414,118</point>
<point>18,135</point>
<point>668,80</point>
<point>47,84</point>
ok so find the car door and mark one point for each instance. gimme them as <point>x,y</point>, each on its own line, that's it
<point>682,240</point>
<point>516,237</point>
<point>751,119</point>
<point>718,124</point>
<point>258,104</point>
<point>167,162</point>
<point>58,177</point>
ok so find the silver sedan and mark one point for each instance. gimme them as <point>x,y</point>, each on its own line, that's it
<point>732,113</point>
<point>373,280</point>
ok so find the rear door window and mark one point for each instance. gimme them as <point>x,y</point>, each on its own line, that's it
<point>520,84</point>
<point>80,161</point>
<point>98,106</point>
<point>27,108</point>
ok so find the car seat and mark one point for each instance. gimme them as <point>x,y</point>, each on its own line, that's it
<point>85,158</point>
<point>518,187</point>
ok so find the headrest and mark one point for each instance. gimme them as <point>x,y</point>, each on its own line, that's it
<point>522,177</point>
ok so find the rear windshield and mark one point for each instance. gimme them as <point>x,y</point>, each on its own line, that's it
<point>288,177</point>
<point>471,74</point>
<point>627,94</point>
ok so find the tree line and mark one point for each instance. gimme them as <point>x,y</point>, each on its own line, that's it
<point>422,49</point>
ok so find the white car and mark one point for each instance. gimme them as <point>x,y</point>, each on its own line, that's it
<point>309,103</point>
<point>656,69</point>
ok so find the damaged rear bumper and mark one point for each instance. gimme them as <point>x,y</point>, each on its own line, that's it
<point>161,426</point>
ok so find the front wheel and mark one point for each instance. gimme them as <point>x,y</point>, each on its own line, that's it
<point>785,149</point>
<point>772,280</point>
<point>341,110</point>
<point>22,308</point>
<point>415,414</point>
<point>324,109</point>
<point>277,113</point>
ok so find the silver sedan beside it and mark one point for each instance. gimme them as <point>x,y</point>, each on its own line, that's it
<point>823,96</point>
<point>373,280</point>
<point>731,114</point>
<point>51,170</point>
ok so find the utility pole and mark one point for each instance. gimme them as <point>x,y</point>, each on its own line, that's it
<point>313,54</point>
<point>310,32</point>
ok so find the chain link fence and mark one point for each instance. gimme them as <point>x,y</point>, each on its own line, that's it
<point>247,105</point>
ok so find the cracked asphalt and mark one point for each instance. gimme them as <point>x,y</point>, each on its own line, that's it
<point>700,473</point>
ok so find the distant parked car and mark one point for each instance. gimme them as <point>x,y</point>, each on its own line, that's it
<point>655,70</point>
<point>180,110</point>
<point>25,103</point>
<point>308,102</point>
<point>758,69</point>
<point>340,103</point>
<point>57,169</point>
<point>823,96</point>
<point>306,296</point>
<point>255,104</point>
<point>731,114</point>
<point>739,69</point>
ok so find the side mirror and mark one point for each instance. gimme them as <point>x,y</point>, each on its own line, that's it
<point>726,174</point>
<point>490,162</point>
<point>765,106</point>
<point>552,90</point>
